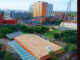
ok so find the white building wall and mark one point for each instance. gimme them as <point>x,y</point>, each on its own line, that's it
<point>49,9</point>
<point>69,25</point>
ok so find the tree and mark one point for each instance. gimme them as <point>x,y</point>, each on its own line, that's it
<point>53,28</point>
<point>56,35</point>
<point>2,54</point>
<point>70,39</point>
<point>1,35</point>
<point>51,53</point>
<point>5,30</point>
<point>75,50</point>
<point>71,47</point>
<point>63,50</point>
<point>30,29</point>
<point>44,28</point>
<point>56,58</point>
<point>13,27</point>
<point>0,46</point>
<point>58,22</point>
<point>68,36</point>
<point>69,33</point>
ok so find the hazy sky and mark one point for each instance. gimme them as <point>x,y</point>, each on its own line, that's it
<point>58,5</point>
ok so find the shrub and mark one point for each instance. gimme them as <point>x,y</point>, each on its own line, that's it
<point>8,56</point>
<point>6,30</point>
<point>51,53</point>
<point>56,35</point>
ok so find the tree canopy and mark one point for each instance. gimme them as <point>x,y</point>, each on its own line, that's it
<point>68,36</point>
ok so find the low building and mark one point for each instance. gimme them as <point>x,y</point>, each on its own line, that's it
<point>10,21</point>
<point>59,15</point>
<point>1,19</point>
<point>51,18</point>
<point>34,20</point>
<point>69,24</point>
<point>14,34</point>
<point>7,20</point>
<point>37,46</point>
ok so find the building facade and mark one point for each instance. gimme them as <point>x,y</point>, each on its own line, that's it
<point>49,9</point>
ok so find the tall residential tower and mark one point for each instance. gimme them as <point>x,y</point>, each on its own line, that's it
<point>42,9</point>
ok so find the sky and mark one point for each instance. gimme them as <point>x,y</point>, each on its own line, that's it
<point>58,5</point>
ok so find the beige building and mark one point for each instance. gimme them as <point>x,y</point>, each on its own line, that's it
<point>42,9</point>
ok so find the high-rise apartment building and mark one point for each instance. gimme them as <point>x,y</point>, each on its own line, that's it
<point>42,9</point>
<point>31,9</point>
<point>49,9</point>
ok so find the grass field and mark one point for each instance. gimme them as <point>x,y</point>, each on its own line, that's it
<point>50,33</point>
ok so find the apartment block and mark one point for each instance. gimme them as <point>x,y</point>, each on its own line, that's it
<point>42,9</point>
<point>49,9</point>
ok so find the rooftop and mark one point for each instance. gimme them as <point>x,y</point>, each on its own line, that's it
<point>14,34</point>
<point>25,55</point>
<point>36,45</point>
<point>71,22</point>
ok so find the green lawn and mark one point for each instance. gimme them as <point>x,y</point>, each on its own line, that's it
<point>50,33</point>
